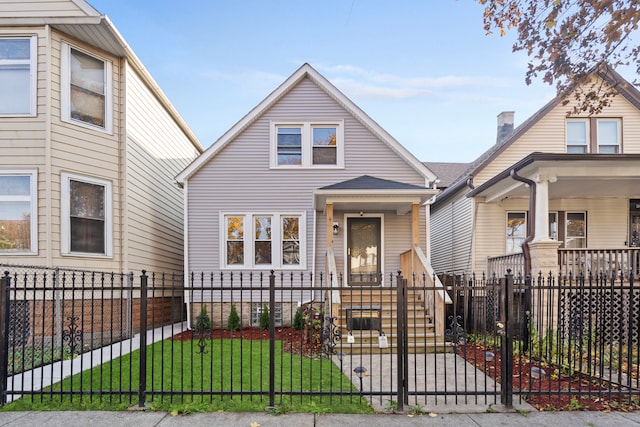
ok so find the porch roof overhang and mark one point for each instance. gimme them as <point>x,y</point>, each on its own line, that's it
<point>368,193</point>
<point>569,176</point>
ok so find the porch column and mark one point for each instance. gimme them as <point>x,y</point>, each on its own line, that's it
<point>541,226</point>
<point>415,225</point>
<point>329,227</point>
<point>543,250</point>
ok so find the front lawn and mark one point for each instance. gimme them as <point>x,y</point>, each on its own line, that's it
<point>229,375</point>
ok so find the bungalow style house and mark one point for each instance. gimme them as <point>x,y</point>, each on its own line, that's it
<point>306,182</point>
<point>558,194</point>
<point>89,146</point>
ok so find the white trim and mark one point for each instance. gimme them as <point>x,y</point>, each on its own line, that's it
<point>306,127</point>
<point>65,89</point>
<point>65,219</point>
<point>33,75</point>
<point>346,243</point>
<point>249,239</point>
<point>33,207</point>
<point>618,123</point>
<point>587,136</point>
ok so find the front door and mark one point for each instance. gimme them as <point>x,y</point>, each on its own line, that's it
<point>363,251</point>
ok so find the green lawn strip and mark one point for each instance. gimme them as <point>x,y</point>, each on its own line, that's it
<point>224,366</point>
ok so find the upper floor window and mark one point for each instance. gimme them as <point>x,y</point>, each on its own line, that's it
<point>593,135</point>
<point>18,57</point>
<point>309,144</point>
<point>18,212</point>
<point>86,216</point>
<point>86,89</point>
<point>275,240</point>
<point>608,135</point>
<point>516,231</point>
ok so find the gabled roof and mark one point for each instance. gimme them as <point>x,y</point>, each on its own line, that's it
<point>604,71</point>
<point>85,23</point>
<point>304,72</point>
<point>366,182</point>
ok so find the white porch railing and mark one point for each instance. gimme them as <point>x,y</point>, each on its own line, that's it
<point>498,265</point>
<point>618,262</point>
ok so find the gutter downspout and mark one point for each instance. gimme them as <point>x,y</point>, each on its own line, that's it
<point>530,220</point>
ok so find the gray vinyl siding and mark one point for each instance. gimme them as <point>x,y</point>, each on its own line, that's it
<point>452,235</point>
<point>157,150</point>
<point>239,178</point>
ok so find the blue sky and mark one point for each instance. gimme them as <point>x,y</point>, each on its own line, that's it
<point>423,69</point>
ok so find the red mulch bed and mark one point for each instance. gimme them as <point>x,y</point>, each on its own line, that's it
<point>586,395</point>
<point>305,342</point>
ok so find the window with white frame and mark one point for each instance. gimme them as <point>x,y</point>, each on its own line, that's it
<point>577,136</point>
<point>86,216</point>
<point>307,144</point>
<point>594,135</point>
<point>18,74</point>
<point>576,230</point>
<point>608,136</point>
<point>516,231</point>
<point>276,240</point>
<point>18,212</point>
<point>86,89</point>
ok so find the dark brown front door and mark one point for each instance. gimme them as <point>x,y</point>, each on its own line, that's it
<point>363,251</point>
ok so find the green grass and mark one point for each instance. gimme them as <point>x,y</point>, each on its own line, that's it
<point>230,368</point>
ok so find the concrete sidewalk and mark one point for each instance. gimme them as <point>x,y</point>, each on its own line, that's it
<point>227,419</point>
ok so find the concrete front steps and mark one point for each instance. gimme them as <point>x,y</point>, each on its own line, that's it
<point>364,310</point>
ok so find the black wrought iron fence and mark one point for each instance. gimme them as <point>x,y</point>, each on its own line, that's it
<point>291,338</point>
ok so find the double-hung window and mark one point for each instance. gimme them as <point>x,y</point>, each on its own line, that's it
<point>307,145</point>
<point>516,231</point>
<point>275,240</point>
<point>18,74</point>
<point>86,89</point>
<point>594,135</point>
<point>86,216</point>
<point>18,212</point>
<point>577,136</point>
<point>608,136</point>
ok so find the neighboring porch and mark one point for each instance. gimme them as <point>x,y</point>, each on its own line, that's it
<point>579,214</point>
<point>370,310</point>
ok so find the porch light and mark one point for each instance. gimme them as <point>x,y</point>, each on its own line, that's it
<point>336,228</point>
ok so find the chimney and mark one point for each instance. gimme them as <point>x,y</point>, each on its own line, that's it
<point>505,125</point>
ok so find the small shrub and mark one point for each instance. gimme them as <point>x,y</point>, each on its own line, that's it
<point>203,322</point>
<point>298,320</point>
<point>264,318</point>
<point>233,321</point>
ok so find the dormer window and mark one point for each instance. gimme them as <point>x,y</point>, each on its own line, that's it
<point>307,145</point>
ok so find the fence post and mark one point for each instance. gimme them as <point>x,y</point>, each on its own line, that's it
<point>401,342</point>
<point>272,339</point>
<point>506,349</point>
<point>142,385</point>
<point>5,296</point>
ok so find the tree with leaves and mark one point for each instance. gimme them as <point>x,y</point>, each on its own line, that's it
<point>566,40</point>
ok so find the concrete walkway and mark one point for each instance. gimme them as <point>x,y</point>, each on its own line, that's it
<point>247,419</point>
<point>443,373</point>
<point>44,376</point>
